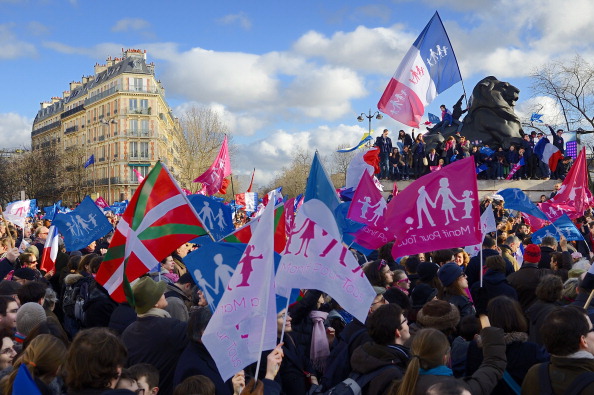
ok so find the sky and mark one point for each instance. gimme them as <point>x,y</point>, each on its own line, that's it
<point>283,76</point>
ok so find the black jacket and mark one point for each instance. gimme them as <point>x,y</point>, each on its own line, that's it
<point>372,356</point>
<point>195,359</point>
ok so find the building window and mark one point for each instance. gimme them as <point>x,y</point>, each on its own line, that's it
<point>133,104</point>
<point>134,126</point>
<point>144,104</point>
<point>144,127</point>
<point>133,149</point>
<point>138,85</point>
<point>144,149</point>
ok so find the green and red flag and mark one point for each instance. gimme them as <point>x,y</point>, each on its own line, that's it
<point>158,219</point>
<point>243,234</point>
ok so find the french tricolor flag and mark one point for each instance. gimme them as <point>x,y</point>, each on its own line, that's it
<point>548,153</point>
<point>429,68</point>
<point>50,250</point>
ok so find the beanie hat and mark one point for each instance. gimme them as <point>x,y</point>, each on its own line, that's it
<point>532,253</point>
<point>439,314</point>
<point>186,278</point>
<point>421,294</point>
<point>25,273</point>
<point>379,290</point>
<point>9,288</point>
<point>449,273</point>
<point>28,317</point>
<point>426,271</point>
<point>147,293</point>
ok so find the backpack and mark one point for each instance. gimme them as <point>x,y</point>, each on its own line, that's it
<point>338,367</point>
<point>352,385</point>
<point>75,296</point>
<point>576,386</point>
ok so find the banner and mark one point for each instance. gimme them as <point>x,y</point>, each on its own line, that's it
<point>214,215</point>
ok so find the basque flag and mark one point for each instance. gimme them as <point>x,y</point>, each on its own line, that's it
<point>429,68</point>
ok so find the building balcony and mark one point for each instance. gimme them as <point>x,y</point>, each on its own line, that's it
<point>135,89</point>
<point>138,111</point>
<point>71,129</point>
<point>72,111</point>
<point>101,95</point>
<point>139,133</point>
<point>46,128</point>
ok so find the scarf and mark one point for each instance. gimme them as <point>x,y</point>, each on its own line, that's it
<point>320,349</point>
<point>155,312</point>
<point>437,371</point>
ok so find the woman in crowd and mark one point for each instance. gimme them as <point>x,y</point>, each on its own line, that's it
<point>455,288</point>
<point>461,257</point>
<point>401,281</point>
<point>378,273</point>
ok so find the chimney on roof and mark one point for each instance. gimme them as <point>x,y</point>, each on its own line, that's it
<point>74,85</point>
<point>109,62</point>
<point>100,68</point>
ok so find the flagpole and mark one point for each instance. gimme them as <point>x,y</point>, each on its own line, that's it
<point>481,271</point>
<point>233,192</point>
<point>285,318</point>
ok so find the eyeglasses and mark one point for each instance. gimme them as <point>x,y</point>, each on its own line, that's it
<point>35,261</point>
<point>406,280</point>
<point>382,301</point>
<point>404,322</point>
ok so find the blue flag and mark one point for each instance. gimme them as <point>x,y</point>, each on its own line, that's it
<point>516,199</point>
<point>83,225</point>
<point>212,266</point>
<point>359,144</point>
<point>24,383</point>
<point>487,151</point>
<point>33,209</point>
<point>51,211</point>
<point>481,168</point>
<point>348,228</point>
<point>319,185</point>
<point>433,118</point>
<point>536,117</point>
<point>90,161</point>
<point>214,215</point>
<point>562,226</point>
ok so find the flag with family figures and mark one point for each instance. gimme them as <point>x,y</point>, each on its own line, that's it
<point>17,211</point>
<point>215,216</point>
<point>244,323</point>
<point>561,227</point>
<point>439,210</point>
<point>315,258</point>
<point>83,225</point>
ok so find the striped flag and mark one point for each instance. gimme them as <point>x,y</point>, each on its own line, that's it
<point>50,250</point>
<point>515,169</point>
<point>158,219</point>
<point>429,68</point>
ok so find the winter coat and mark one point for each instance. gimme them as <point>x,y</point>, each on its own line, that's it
<point>536,315</point>
<point>194,360</point>
<point>462,302</point>
<point>525,282</point>
<point>521,356</point>
<point>562,371</point>
<point>158,341</point>
<point>372,356</point>
<point>494,284</point>
<point>177,303</point>
<point>486,376</point>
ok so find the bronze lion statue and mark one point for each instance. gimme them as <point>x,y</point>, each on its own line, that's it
<point>491,117</point>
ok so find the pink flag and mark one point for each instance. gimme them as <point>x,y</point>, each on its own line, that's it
<point>394,189</point>
<point>212,179</point>
<point>574,190</point>
<point>315,258</point>
<point>533,222</point>
<point>369,207</point>
<point>439,210</point>
<point>139,176</point>
<point>245,318</point>
<point>289,216</point>
<point>101,203</point>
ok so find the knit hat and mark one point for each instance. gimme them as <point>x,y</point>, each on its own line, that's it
<point>421,294</point>
<point>426,271</point>
<point>9,288</point>
<point>147,293</point>
<point>449,273</point>
<point>379,290</point>
<point>532,253</point>
<point>28,317</point>
<point>439,314</point>
<point>25,273</point>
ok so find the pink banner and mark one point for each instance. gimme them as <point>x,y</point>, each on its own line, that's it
<point>574,190</point>
<point>439,210</point>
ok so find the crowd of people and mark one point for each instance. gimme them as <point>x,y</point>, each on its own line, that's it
<point>410,158</point>
<point>510,320</point>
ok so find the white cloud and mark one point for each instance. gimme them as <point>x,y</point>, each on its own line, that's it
<point>271,154</point>
<point>15,130</point>
<point>127,24</point>
<point>37,28</point>
<point>547,106</point>
<point>240,19</point>
<point>11,47</point>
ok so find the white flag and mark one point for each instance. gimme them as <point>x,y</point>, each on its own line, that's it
<point>315,258</point>
<point>234,334</point>
<point>488,225</point>
<point>16,212</point>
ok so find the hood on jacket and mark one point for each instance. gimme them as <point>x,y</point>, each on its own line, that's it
<point>372,356</point>
<point>72,278</point>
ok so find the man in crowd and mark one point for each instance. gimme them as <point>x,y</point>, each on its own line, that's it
<point>384,143</point>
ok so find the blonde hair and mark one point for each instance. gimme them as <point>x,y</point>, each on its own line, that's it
<point>43,357</point>
<point>428,349</point>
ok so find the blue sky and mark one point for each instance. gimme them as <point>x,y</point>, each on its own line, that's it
<point>282,75</point>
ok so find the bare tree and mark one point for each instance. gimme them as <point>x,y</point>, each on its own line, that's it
<point>571,83</point>
<point>340,163</point>
<point>203,131</point>
<point>293,177</point>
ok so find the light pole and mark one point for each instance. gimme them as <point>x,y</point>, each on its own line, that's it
<point>369,117</point>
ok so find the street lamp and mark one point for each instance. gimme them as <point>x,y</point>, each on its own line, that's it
<point>369,116</point>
